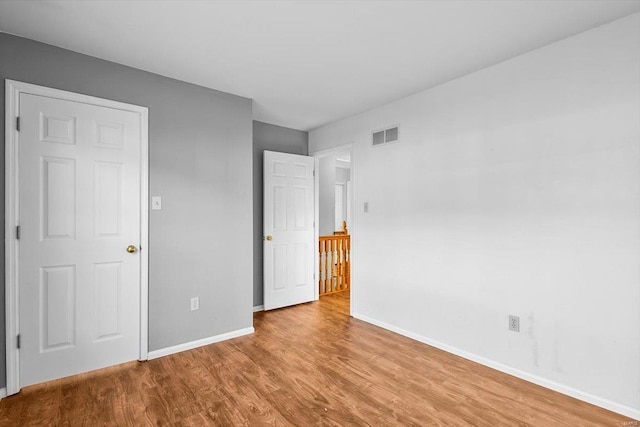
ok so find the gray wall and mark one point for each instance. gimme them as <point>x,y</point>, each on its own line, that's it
<point>271,138</point>
<point>200,163</point>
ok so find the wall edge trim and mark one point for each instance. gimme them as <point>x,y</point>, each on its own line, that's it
<point>199,343</point>
<point>543,382</point>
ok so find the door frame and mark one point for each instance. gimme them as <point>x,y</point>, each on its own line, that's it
<point>317,155</point>
<point>13,89</point>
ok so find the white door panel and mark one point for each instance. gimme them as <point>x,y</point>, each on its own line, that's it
<point>79,209</point>
<point>288,225</point>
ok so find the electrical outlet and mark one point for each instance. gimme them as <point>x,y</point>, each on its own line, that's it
<point>366,207</point>
<point>514,323</point>
<point>195,303</point>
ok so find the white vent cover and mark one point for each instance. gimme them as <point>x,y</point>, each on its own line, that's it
<point>385,136</point>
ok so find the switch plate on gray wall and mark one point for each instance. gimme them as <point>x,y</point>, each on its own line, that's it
<point>156,203</point>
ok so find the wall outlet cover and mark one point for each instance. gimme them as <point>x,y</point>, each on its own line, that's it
<point>514,323</point>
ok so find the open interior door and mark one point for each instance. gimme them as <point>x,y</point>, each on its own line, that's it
<point>288,229</point>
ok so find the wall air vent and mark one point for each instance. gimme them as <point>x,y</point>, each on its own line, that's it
<point>385,136</point>
<point>378,138</point>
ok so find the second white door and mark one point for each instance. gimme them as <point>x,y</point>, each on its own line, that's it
<point>79,210</point>
<point>289,249</point>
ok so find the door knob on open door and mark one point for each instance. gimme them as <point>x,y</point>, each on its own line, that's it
<point>131,249</point>
<point>269,237</point>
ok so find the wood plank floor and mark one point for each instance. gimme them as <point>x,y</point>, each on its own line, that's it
<point>304,366</point>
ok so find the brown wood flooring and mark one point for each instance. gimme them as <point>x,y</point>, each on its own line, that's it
<point>306,365</point>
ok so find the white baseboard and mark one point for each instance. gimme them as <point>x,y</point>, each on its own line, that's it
<point>560,388</point>
<point>258,308</point>
<point>3,393</point>
<point>199,343</point>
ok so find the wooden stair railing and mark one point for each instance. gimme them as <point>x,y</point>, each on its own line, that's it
<point>335,260</point>
<point>342,232</point>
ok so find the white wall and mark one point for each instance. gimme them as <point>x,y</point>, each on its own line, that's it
<point>343,175</point>
<point>326,196</point>
<point>514,190</point>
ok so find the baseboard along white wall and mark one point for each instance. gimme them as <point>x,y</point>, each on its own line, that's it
<point>560,388</point>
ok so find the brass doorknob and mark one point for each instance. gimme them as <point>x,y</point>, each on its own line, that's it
<point>269,237</point>
<point>131,249</point>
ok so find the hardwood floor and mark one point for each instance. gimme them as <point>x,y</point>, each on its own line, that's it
<point>305,365</point>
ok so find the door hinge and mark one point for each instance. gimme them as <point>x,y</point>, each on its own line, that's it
<point>314,172</point>
<point>18,341</point>
<point>18,123</point>
<point>18,232</point>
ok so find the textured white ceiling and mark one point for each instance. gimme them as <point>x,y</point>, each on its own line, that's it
<point>308,63</point>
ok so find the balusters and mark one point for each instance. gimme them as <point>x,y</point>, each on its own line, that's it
<point>327,266</point>
<point>334,260</point>
<point>340,264</point>
<point>347,262</point>
<point>334,267</point>
<point>329,288</point>
<point>323,263</point>
<point>320,260</point>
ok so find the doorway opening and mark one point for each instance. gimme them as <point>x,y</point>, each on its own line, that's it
<point>334,219</point>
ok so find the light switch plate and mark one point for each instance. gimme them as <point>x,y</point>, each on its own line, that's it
<point>156,203</point>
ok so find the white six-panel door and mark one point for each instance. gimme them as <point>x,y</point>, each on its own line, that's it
<point>79,210</point>
<point>289,245</point>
